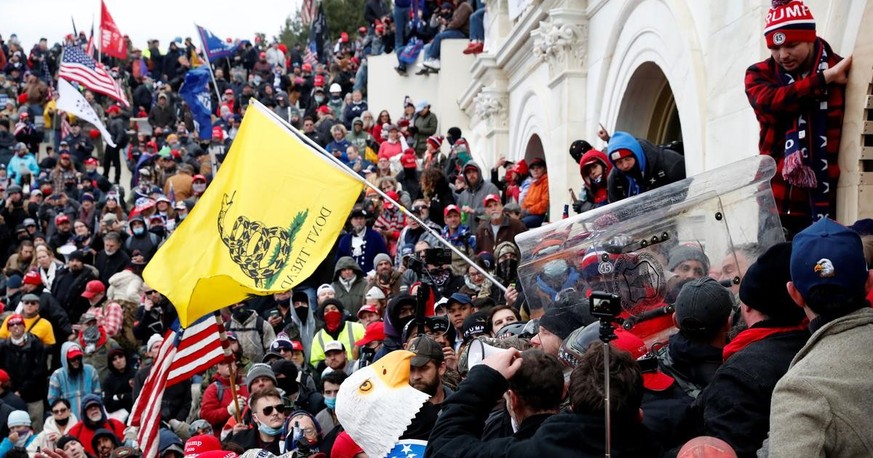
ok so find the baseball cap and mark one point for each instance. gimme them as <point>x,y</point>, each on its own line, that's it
<point>490,198</point>
<point>29,222</point>
<point>703,307</point>
<point>474,325</point>
<point>451,208</point>
<point>93,288</point>
<point>425,349</point>
<point>828,254</point>
<point>375,331</point>
<point>110,218</point>
<point>30,297</point>
<point>460,298</point>
<point>4,376</point>
<point>15,318</point>
<point>62,218</point>
<point>653,378</point>
<point>74,352</point>
<point>201,443</point>
<point>333,345</point>
<point>367,308</point>
<point>32,278</point>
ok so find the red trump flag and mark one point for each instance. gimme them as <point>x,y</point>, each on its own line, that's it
<point>111,40</point>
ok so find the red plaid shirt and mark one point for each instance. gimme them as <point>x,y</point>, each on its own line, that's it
<point>110,316</point>
<point>777,106</point>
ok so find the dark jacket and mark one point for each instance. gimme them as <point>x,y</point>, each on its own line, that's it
<point>110,265</point>
<point>68,288</point>
<point>735,407</point>
<point>509,228</point>
<point>26,366</point>
<point>176,402</point>
<point>155,321</point>
<point>663,413</point>
<point>691,363</point>
<point>373,245</point>
<point>655,167</point>
<point>117,392</point>
<point>457,430</point>
<point>249,439</point>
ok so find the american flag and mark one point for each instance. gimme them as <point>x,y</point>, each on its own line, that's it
<point>89,49</point>
<point>308,11</point>
<point>65,124</point>
<point>181,356</point>
<point>79,67</point>
<point>309,56</point>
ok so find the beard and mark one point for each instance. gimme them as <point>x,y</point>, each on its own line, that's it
<point>738,326</point>
<point>426,387</point>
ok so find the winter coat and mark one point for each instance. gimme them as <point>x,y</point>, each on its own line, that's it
<point>691,363</point>
<point>307,328</point>
<point>125,286</point>
<point>99,358</point>
<point>214,409</point>
<point>68,288</point>
<point>110,265</point>
<point>373,245</point>
<point>117,392</point>
<point>457,431</point>
<point>250,439</point>
<point>597,194</point>
<point>73,389</point>
<point>26,366</point>
<point>425,126</point>
<point>85,435</point>
<point>536,201</point>
<point>509,228</point>
<point>353,298</point>
<point>254,335</point>
<point>655,167</point>
<point>735,407</point>
<point>821,407</point>
<point>473,195</point>
<point>42,440</point>
<point>6,445</point>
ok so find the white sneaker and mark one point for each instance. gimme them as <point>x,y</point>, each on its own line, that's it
<point>432,63</point>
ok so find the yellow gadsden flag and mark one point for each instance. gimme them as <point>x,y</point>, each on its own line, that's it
<point>271,215</point>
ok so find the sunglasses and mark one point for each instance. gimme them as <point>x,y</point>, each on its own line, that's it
<point>280,408</point>
<point>60,411</point>
<point>15,324</point>
<point>149,292</point>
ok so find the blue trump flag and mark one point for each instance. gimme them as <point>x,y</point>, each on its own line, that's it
<point>195,91</point>
<point>214,47</point>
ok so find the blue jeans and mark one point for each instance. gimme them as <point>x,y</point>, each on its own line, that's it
<point>433,52</point>
<point>532,221</point>
<point>361,77</point>
<point>401,20</point>
<point>477,25</point>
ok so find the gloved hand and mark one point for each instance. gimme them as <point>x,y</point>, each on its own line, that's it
<point>577,206</point>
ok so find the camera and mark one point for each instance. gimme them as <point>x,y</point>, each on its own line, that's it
<point>605,306</point>
<point>438,256</point>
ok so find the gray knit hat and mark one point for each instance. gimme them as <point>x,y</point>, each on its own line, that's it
<point>684,253</point>
<point>260,370</point>
<point>703,307</point>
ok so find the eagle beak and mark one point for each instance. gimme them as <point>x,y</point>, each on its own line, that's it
<point>818,268</point>
<point>393,368</point>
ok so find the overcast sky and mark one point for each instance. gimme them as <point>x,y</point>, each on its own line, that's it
<point>142,20</point>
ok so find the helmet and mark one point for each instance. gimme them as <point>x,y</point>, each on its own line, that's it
<point>531,328</point>
<point>335,88</point>
<point>20,146</point>
<point>512,329</point>
<point>574,346</point>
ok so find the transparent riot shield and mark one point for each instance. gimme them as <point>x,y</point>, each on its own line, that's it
<point>645,247</point>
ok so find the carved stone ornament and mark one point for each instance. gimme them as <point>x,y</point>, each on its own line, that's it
<point>559,44</point>
<point>492,108</point>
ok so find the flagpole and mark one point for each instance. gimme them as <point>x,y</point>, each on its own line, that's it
<point>209,65</point>
<point>232,367</point>
<point>384,196</point>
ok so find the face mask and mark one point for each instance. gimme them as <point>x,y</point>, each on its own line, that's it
<point>22,439</point>
<point>288,385</point>
<point>269,430</point>
<point>332,320</point>
<point>158,230</point>
<point>319,98</point>
<point>335,97</point>
<point>62,421</point>
<point>138,231</point>
<point>199,187</point>
<point>240,314</point>
<point>507,269</point>
<point>330,403</point>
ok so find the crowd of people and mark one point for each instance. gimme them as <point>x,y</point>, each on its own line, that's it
<point>753,367</point>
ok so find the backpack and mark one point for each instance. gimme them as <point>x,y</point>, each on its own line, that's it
<point>259,326</point>
<point>665,363</point>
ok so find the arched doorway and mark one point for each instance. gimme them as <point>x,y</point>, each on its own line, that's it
<point>648,108</point>
<point>534,149</point>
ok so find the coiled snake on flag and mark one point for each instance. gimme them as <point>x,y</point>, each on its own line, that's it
<point>260,251</point>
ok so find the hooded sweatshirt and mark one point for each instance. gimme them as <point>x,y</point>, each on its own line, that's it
<point>73,387</point>
<point>474,194</point>
<point>347,333</point>
<point>655,167</point>
<point>597,193</point>
<point>350,293</point>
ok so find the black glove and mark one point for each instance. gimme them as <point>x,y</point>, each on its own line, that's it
<point>577,206</point>
<point>412,130</point>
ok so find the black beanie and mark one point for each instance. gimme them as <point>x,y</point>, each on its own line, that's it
<point>763,286</point>
<point>567,314</point>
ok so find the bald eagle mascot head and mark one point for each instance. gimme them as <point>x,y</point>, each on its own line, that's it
<point>376,403</point>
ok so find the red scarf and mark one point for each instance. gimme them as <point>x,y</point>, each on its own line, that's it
<point>743,339</point>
